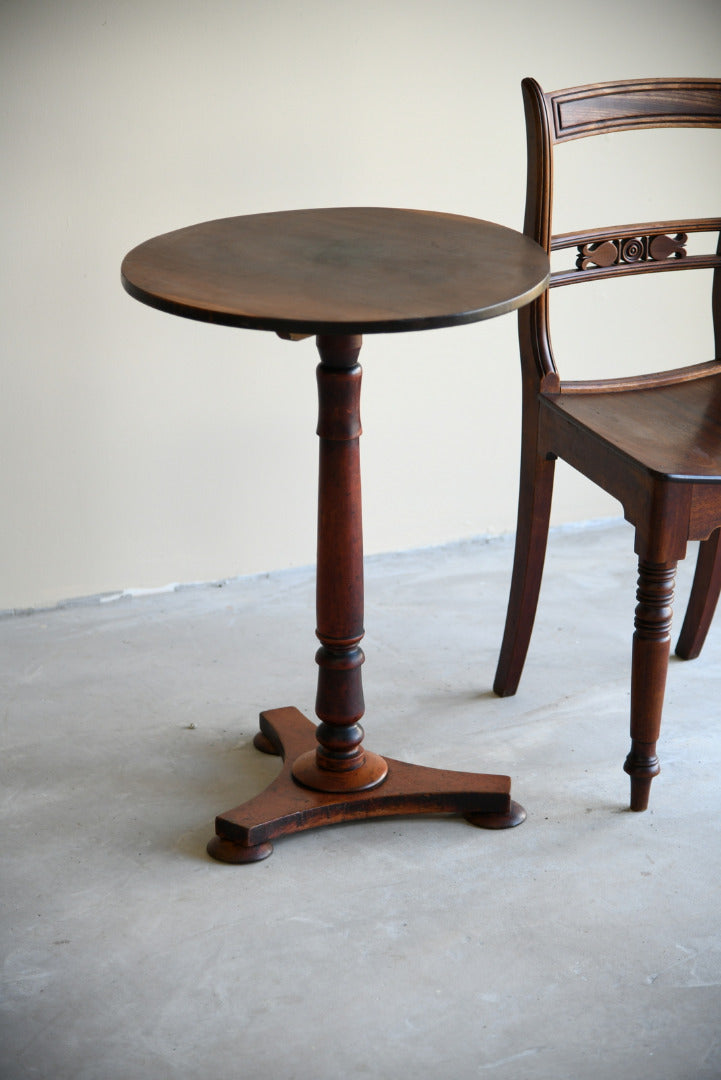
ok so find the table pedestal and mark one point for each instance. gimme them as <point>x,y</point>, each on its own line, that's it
<point>328,775</point>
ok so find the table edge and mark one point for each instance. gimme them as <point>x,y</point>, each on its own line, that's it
<point>304,326</point>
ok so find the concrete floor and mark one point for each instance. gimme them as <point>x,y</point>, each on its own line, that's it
<point>585,944</point>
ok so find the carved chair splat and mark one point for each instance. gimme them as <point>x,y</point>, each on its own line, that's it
<point>651,441</point>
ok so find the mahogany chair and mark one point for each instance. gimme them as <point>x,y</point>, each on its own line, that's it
<point>652,441</point>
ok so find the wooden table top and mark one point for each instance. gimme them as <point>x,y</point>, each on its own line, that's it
<point>359,270</point>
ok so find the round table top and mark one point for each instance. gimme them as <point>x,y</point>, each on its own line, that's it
<point>359,270</point>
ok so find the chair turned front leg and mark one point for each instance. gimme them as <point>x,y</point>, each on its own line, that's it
<point>651,646</point>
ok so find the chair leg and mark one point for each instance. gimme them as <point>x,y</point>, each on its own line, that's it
<point>651,647</point>
<point>534,511</point>
<point>702,601</point>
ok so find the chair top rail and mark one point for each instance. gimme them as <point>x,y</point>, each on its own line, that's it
<point>634,103</point>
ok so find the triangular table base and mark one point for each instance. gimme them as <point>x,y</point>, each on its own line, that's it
<point>244,834</point>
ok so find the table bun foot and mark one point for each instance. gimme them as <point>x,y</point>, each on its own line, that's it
<point>228,851</point>
<point>262,742</point>
<point>515,815</point>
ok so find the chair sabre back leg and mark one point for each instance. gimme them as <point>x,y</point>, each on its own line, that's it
<point>703,599</point>
<point>534,511</point>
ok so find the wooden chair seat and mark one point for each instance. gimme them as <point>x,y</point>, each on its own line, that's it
<point>628,422</point>
<point>653,441</point>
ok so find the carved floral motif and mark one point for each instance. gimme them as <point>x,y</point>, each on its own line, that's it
<point>652,248</point>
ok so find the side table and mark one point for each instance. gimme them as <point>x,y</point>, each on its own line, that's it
<point>339,274</point>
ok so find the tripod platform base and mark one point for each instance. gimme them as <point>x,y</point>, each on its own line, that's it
<point>244,834</point>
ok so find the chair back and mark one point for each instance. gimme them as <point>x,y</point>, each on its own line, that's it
<point>613,251</point>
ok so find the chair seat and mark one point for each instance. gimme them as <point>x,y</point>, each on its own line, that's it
<point>688,415</point>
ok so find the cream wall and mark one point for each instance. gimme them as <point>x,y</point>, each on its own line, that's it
<point>138,449</point>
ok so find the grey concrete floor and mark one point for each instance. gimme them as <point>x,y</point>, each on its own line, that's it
<point>584,944</point>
